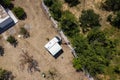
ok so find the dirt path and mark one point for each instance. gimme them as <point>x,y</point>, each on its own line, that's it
<point>41,29</point>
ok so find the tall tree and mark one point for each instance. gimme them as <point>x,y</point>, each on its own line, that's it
<point>69,24</point>
<point>89,19</point>
<point>72,2</point>
<point>112,5</point>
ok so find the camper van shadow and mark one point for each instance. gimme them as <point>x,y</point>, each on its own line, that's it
<point>58,54</point>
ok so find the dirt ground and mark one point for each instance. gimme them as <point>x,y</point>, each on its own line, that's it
<point>40,29</point>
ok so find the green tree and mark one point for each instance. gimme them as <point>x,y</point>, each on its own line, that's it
<point>116,20</point>
<point>19,12</point>
<point>109,18</point>
<point>49,3</point>
<point>5,75</point>
<point>117,69</point>
<point>24,32</point>
<point>77,64</point>
<point>6,3</point>
<point>112,5</point>
<point>12,40</point>
<point>89,19</point>
<point>96,36</point>
<point>56,11</point>
<point>69,24</point>
<point>80,44</point>
<point>72,2</point>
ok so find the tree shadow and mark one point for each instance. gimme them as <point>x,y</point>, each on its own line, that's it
<point>24,16</point>
<point>75,3</point>
<point>1,51</point>
<point>26,59</point>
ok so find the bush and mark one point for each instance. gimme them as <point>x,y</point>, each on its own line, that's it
<point>94,51</point>
<point>19,12</point>
<point>12,40</point>
<point>116,20</point>
<point>24,32</point>
<point>117,69</point>
<point>69,24</point>
<point>96,36</point>
<point>56,11</point>
<point>6,3</point>
<point>109,18</point>
<point>72,2</point>
<point>112,5</point>
<point>49,3</point>
<point>5,75</point>
<point>89,19</point>
<point>76,64</point>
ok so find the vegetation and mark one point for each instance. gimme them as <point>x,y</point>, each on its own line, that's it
<point>24,32</point>
<point>97,49</point>
<point>19,12</point>
<point>5,75</point>
<point>69,24</point>
<point>114,19</point>
<point>49,3</point>
<point>89,19</point>
<point>112,5</point>
<point>117,69</point>
<point>6,3</point>
<point>94,52</point>
<point>72,2</point>
<point>55,8</point>
<point>1,50</point>
<point>12,40</point>
<point>76,64</point>
<point>56,11</point>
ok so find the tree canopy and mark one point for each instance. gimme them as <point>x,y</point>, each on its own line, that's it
<point>72,2</point>
<point>49,3</point>
<point>69,24</point>
<point>112,5</point>
<point>116,20</point>
<point>5,3</point>
<point>56,10</point>
<point>19,12</point>
<point>12,40</point>
<point>5,75</point>
<point>89,19</point>
<point>94,52</point>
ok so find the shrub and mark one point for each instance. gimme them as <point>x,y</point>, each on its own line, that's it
<point>77,64</point>
<point>69,24</point>
<point>6,3</point>
<point>112,5</point>
<point>89,19</point>
<point>72,2</point>
<point>49,3</point>
<point>109,18</point>
<point>5,75</point>
<point>56,11</point>
<point>24,32</point>
<point>117,69</point>
<point>116,20</point>
<point>12,40</point>
<point>19,12</point>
